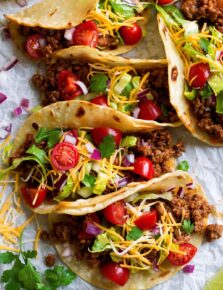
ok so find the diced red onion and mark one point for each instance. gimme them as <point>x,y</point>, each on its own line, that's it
<point>126,162</point>
<point>130,158</point>
<point>73,133</point>
<point>70,139</point>
<point>144,143</point>
<point>17,111</point>
<point>180,192</point>
<point>68,34</point>
<point>136,112</point>
<point>90,148</point>
<point>5,130</point>
<point>8,128</point>
<point>82,86</point>
<point>189,184</point>
<point>92,229</point>
<point>170,189</point>
<point>156,230</point>
<point>189,269</point>
<point>9,64</point>
<point>2,98</point>
<point>42,42</point>
<point>66,252</point>
<point>24,103</point>
<point>155,266</point>
<point>61,182</point>
<point>143,93</point>
<point>123,182</point>
<point>21,3</point>
<point>96,155</point>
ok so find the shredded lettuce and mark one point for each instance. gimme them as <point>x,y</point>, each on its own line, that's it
<point>6,153</point>
<point>166,195</point>
<point>38,153</point>
<point>101,244</point>
<point>190,95</point>
<point>100,183</point>
<point>122,83</point>
<point>215,81</point>
<point>129,141</point>
<point>166,17</point>
<point>66,191</point>
<point>219,104</point>
<point>190,51</point>
<point>122,9</point>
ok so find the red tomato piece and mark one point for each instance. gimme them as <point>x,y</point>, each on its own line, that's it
<point>98,134</point>
<point>131,35</point>
<point>198,74</point>
<point>178,259</point>
<point>115,273</point>
<point>86,33</point>
<point>115,213</point>
<point>64,156</point>
<point>33,194</point>
<point>100,100</point>
<point>147,220</point>
<point>144,167</point>
<point>165,2</point>
<point>33,46</point>
<point>67,86</point>
<point>149,110</point>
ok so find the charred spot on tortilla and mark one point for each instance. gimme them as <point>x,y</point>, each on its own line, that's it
<point>53,12</point>
<point>80,112</point>
<point>174,73</point>
<point>35,126</point>
<point>164,30</point>
<point>51,113</point>
<point>69,24</point>
<point>117,119</point>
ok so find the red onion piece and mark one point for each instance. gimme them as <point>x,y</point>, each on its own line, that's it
<point>96,155</point>
<point>24,103</point>
<point>2,98</point>
<point>155,266</point>
<point>17,111</point>
<point>5,131</point>
<point>61,182</point>
<point>68,34</point>
<point>90,148</point>
<point>156,230</point>
<point>73,133</point>
<point>92,229</point>
<point>123,182</point>
<point>130,158</point>
<point>9,64</point>
<point>83,87</point>
<point>170,189</point>
<point>189,269</point>
<point>136,112</point>
<point>21,3</point>
<point>126,162</point>
<point>70,139</point>
<point>143,93</point>
<point>180,192</point>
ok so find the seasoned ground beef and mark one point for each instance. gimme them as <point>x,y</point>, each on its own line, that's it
<point>208,120</point>
<point>213,232</point>
<point>50,260</point>
<point>107,41</point>
<point>210,11</point>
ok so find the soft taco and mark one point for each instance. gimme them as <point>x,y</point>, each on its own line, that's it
<point>136,240</point>
<point>113,26</point>
<point>194,54</point>
<point>136,87</point>
<point>72,151</point>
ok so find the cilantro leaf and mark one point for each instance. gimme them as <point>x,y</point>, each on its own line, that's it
<point>183,165</point>
<point>29,277</point>
<point>219,104</point>
<point>188,226</point>
<point>10,277</point>
<point>204,43</point>
<point>59,276</point>
<point>38,153</point>
<point>134,234</point>
<point>206,92</point>
<point>13,285</point>
<point>7,258</point>
<point>89,180</point>
<point>51,136</point>
<point>98,83</point>
<point>107,146</point>
<point>30,254</point>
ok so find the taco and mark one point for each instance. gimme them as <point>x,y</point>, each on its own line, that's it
<point>135,240</point>
<point>113,26</point>
<point>135,87</point>
<point>194,53</point>
<point>75,150</point>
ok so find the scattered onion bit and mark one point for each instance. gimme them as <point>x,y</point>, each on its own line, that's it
<point>24,103</point>
<point>2,98</point>
<point>17,111</point>
<point>189,269</point>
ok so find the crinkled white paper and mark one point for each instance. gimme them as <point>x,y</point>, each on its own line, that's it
<point>206,163</point>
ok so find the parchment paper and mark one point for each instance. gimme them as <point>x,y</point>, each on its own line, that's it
<point>206,163</point>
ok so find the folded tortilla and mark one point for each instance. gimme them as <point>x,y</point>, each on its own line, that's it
<point>141,279</point>
<point>176,87</point>
<point>76,114</point>
<point>59,15</point>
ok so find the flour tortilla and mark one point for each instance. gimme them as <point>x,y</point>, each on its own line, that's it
<point>76,114</point>
<point>59,14</point>
<point>142,279</point>
<point>176,87</point>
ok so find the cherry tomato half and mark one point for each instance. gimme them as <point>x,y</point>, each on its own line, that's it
<point>64,156</point>
<point>131,35</point>
<point>100,100</point>
<point>115,213</point>
<point>147,220</point>
<point>86,33</point>
<point>199,72</point>
<point>149,110</point>
<point>165,2</point>
<point>29,194</point>
<point>98,134</point>
<point>144,167</point>
<point>115,273</point>
<point>67,85</point>
<point>33,46</point>
<point>179,260</point>
<point>90,218</point>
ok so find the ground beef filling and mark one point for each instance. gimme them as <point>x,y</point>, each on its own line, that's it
<point>208,120</point>
<point>213,232</point>
<point>210,11</point>
<point>157,83</point>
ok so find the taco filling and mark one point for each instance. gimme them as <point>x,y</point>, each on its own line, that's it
<point>69,164</point>
<point>201,50</point>
<point>144,232</point>
<point>110,25</point>
<point>140,93</point>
